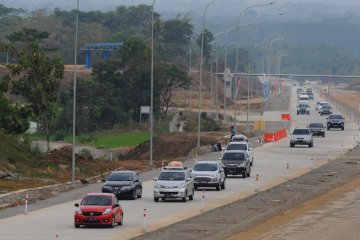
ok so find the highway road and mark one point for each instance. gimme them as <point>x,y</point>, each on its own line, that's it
<point>270,163</point>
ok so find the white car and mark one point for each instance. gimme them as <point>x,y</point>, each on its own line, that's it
<point>174,182</point>
<point>209,173</point>
<point>241,146</point>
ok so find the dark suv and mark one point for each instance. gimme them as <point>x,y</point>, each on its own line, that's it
<point>236,162</point>
<point>335,121</point>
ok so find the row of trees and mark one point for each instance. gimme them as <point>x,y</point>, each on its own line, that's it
<point>115,90</point>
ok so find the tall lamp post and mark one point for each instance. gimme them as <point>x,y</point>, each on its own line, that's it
<point>74,98</point>
<point>201,67</point>
<point>152,88</point>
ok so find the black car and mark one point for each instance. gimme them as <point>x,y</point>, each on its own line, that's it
<point>124,184</point>
<point>335,121</point>
<point>317,129</point>
<point>326,110</point>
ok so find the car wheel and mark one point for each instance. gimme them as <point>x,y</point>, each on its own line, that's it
<point>163,199</point>
<point>292,145</point>
<point>342,128</point>
<point>195,187</point>
<point>249,173</point>
<point>77,225</point>
<point>226,174</point>
<point>184,199</point>
<point>323,135</point>
<point>328,128</point>
<point>121,222</point>
<point>252,162</point>
<point>320,114</point>
<point>112,224</point>
<point>310,144</point>
<point>244,174</point>
<point>297,113</point>
<point>156,199</point>
<point>133,195</point>
<point>191,197</point>
<point>140,194</point>
<point>223,184</point>
<point>218,186</point>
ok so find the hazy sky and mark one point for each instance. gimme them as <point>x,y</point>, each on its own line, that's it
<point>169,5</point>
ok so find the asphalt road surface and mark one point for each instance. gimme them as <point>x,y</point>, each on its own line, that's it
<point>56,222</point>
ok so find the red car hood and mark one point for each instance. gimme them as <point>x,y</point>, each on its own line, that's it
<point>92,208</point>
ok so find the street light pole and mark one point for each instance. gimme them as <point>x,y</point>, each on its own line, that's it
<point>74,98</point>
<point>190,52</point>
<point>236,64</point>
<point>152,87</point>
<point>201,67</point>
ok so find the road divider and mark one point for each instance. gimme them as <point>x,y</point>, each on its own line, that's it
<point>143,229</point>
<point>203,201</point>
<point>26,203</point>
<point>275,136</point>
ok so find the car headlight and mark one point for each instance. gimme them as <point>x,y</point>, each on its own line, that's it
<point>242,165</point>
<point>126,187</point>
<point>107,211</point>
<point>107,187</point>
<point>78,211</point>
<point>157,185</point>
<point>308,109</point>
<point>182,185</point>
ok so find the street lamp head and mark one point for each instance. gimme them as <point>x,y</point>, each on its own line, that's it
<point>271,3</point>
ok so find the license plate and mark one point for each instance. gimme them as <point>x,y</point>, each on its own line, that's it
<point>92,220</point>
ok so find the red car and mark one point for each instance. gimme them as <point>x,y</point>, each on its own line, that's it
<point>98,209</point>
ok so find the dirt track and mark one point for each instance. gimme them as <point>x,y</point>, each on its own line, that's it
<point>237,217</point>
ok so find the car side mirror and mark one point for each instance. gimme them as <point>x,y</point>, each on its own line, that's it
<point>76,205</point>
<point>155,179</point>
<point>250,149</point>
<point>221,170</point>
<point>116,205</point>
<point>103,180</point>
<point>136,180</point>
<point>327,118</point>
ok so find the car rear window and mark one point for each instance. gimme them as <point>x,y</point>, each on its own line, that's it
<point>234,156</point>
<point>96,200</point>
<point>205,167</point>
<point>301,131</point>
<point>236,147</point>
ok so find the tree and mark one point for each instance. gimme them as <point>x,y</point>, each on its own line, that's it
<point>170,77</point>
<point>36,76</point>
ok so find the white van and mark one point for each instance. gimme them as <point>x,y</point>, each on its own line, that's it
<point>304,99</point>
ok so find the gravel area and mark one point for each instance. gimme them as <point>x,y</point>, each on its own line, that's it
<point>245,213</point>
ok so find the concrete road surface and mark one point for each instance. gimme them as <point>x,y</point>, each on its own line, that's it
<point>270,162</point>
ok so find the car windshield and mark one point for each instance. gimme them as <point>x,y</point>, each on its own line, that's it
<point>96,200</point>
<point>301,131</point>
<point>335,117</point>
<point>323,104</point>
<point>326,107</point>
<point>303,106</point>
<point>234,156</point>
<point>315,125</point>
<point>205,167</point>
<point>236,147</point>
<point>304,98</point>
<point>124,176</point>
<point>172,176</point>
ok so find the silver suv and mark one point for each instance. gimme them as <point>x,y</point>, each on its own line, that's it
<point>174,182</point>
<point>209,174</point>
<point>301,136</point>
